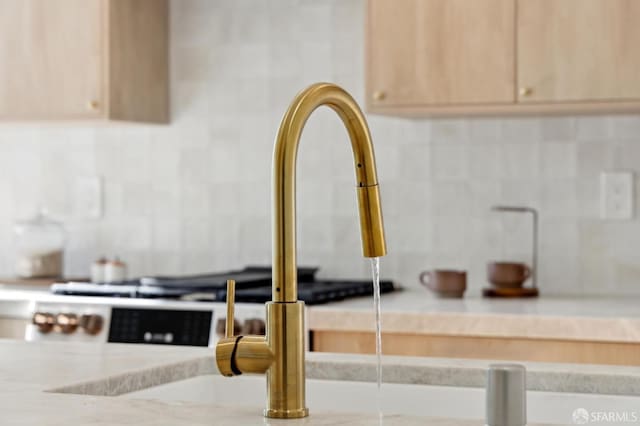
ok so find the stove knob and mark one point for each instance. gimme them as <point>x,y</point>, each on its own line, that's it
<point>253,326</point>
<point>66,323</point>
<point>44,321</point>
<point>91,323</point>
<point>221,324</point>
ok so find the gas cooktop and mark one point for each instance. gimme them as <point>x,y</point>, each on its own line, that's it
<point>253,285</point>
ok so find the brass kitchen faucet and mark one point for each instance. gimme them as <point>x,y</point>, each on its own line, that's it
<point>280,354</point>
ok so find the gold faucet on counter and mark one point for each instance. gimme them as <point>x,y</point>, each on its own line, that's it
<point>280,354</point>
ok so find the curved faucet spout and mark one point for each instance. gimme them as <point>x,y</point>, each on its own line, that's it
<point>284,181</point>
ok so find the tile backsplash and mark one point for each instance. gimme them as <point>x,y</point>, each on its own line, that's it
<point>194,196</point>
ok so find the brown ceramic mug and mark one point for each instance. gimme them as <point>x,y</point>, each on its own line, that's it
<point>508,274</point>
<point>445,282</point>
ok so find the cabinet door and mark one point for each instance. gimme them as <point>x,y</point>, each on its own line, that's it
<point>578,50</point>
<point>50,58</point>
<point>440,52</point>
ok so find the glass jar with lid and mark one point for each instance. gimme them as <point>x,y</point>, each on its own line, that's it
<point>39,245</point>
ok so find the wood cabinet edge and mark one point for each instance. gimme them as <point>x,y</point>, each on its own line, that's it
<point>492,110</point>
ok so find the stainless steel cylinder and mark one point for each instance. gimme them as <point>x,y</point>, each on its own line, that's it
<point>506,395</point>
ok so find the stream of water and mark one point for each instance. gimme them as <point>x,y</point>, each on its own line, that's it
<point>375,272</point>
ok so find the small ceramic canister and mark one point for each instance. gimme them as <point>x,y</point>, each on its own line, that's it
<point>98,269</point>
<point>115,271</point>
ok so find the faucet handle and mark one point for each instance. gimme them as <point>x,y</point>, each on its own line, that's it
<point>227,346</point>
<point>231,302</point>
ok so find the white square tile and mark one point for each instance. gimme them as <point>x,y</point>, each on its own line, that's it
<point>625,127</point>
<point>450,162</point>
<point>558,160</point>
<point>196,201</point>
<point>312,21</point>
<point>594,157</point>
<point>626,154</point>
<point>521,130</point>
<point>588,203</point>
<point>522,161</point>
<point>346,235</point>
<point>450,130</point>
<point>558,198</point>
<point>415,162</point>
<point>255,199</point>
<point>418,130</point>
<point>484,195</point>
<point>592,128</point>
<point>486,238</point>
<point>194,22</point>
<point>627,277</point>
<point>315,233</point>
<point>166,200</point>
<point>387,161</point>
<point>198,236</point>
<point>485,130</point>
<point>521,193</point>
<point>191,63</point>
<point>558,129</point>
<point>198,262</point>
<point>248,22</point>
<point>513,235</point>
<point>135,199</point>
<point>622,240</point>
<point>217,164</point>
<point>411,234</point>
<point>254,232</point>
<point>558,274</point>
<point>387,130</point>
<point>315,59</point>
<point>314,198</point>
<point>486,161</point>
<point>344,198</point>
<point>133,234</point>
<point>166,262</point>
<point>450,234</point>
<point>167,235</point>
<point>400,198</point>
<point>451,198</point>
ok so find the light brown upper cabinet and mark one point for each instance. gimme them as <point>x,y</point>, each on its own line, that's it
<point>463,57</point>
<point>440,52</point>
<point>84,60</point>
<point>578,50</point>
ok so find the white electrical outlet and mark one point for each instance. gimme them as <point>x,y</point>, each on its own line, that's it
<point>88,197</point>
<point>616,195</point>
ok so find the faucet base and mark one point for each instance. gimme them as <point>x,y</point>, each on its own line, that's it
<point>286,414</point>
<point>285,376</point>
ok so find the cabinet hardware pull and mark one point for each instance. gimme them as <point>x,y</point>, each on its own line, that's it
<point>379,95</point>
<point>526,91</point>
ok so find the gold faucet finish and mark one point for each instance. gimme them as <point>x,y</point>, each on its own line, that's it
<point>280,354</point>
<point>284,182</point>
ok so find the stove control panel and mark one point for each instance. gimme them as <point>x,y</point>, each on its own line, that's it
<point>160,326</point>
<point>145,322</point>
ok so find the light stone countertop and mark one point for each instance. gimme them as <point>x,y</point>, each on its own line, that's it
<point>30,371</point>
<point>61,384</point>
<point>418,312</point>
